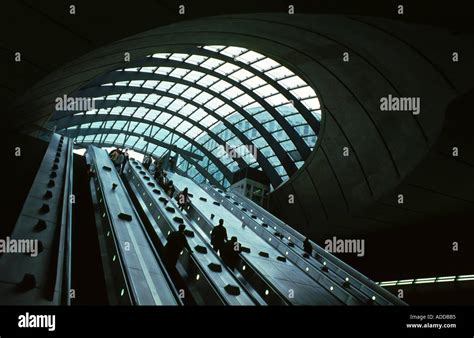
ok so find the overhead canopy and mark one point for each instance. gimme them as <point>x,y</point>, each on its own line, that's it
<point>222,108</point>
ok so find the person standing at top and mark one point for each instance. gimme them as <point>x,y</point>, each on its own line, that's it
<point>113,154</point>
<point>170,189</point>
<point>157,175</point>
<point>118,161</point>
<point>146,162</point>
<point>126,158</point>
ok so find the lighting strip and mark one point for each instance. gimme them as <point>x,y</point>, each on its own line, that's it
<point>460,278</point>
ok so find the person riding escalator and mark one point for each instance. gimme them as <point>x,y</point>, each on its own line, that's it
<point>230,253</point>
<point>175,243</point>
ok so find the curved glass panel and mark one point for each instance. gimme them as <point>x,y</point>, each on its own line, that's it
<point>204,103</point>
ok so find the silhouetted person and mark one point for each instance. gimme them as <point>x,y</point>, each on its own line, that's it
<point>230,253</point>
<point>146,162</point>
<point>114,153</point>
<point>158,166</point>
<point>183,199</point>
<point>157,175</point>
<point>171,164</point>
<point>175,243</point>
<point>163,180</point>
<point>126,158</point>
<point>170,189</point>
<point>307,247</point>
<point>118,161</point>
<point>219,236</point>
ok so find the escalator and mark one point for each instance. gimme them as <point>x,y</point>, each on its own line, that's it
<point>204,274</point>
<point>288,241</point>
<point>134,273</point>
<point>297,287</point>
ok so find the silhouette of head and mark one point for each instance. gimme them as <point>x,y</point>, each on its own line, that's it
<point>233,239</point>
<point>221,221</point>
<point>182,227</point>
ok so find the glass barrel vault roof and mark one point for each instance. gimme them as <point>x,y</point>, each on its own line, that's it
<point>201,105</point>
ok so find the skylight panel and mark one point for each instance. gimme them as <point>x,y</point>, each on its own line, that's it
<point>211,63</point>
<point>265,64</point>
<point>178,56</point>
<point>233,51</point>
<point>241,75</point>
<point>249,57</point>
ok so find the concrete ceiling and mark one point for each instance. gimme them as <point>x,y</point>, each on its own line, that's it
<point>48,36</point>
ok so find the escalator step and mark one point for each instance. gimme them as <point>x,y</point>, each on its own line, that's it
<point>232,290</point>
<point>106,168</point>
<point>263,254</point>
<point>156,191</point>
<point>40,246</point>
<point>40,226</point>
<point>203,199</point>
<point>170,209</point>
<point>189,233</point>
<point>201,249</point>
<point>215,267</point>
<point>245,249</point>
<point>281,258</point>
<point>216,203</point>
<point>27,283</point>
<point>125,217</point>
<point>178,219</point>
<point>44,209</point>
